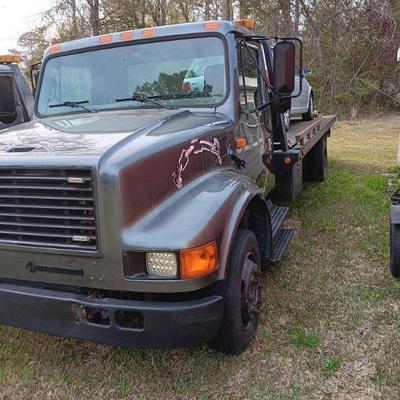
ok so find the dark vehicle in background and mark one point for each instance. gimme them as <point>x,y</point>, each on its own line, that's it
<point>395,234</point>
<point>395,222</point>
<point>16,100</point>
<point>144,201</point>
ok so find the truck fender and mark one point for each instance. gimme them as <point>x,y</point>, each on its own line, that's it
<point>211,207</point>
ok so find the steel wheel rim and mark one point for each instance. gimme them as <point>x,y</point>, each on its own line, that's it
<point>250,291</point>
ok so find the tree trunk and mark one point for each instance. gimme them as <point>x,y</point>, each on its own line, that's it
<point>242,9</point>
<point>227,10</point>
<point>94,16</point>
<point>184,7</point>
<point>317,37</point>
<point>296,22</point>
<point>163,12</point>
<point>287,19</point>
<point>207,11</point>
<point>142,13</point>
<point>74,20</point>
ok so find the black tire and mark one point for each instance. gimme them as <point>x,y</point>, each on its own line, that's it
<point>240,315</point>
<point>395,250</point>
<point>309,115</point>
<point>315,164</point>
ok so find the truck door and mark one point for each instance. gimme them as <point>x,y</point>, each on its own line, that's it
<point>253,125</point>
<point>23,101</point>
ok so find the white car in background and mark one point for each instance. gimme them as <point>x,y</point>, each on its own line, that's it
<point>302,105</point>
<point>194,78</point>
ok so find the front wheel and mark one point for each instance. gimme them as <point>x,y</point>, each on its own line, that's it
<point>395,250</point>
<point>242,296</point>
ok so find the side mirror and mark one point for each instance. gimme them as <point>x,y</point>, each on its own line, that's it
<point>8,106</point>
<point>307,72</point>
<point>280,106</point>
<point>284,68</point>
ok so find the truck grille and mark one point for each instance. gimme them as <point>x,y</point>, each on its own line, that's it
<point>51,208</point>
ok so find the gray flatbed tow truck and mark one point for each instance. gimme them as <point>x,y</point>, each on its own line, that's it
<point>140,205</point>
<point>14,93</point>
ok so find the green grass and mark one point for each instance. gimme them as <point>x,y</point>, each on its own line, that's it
<point>332,365</point>
<point>306,339</point>
<point>329,326</point>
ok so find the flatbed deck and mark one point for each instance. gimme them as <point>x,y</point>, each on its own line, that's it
<point>303,135</point>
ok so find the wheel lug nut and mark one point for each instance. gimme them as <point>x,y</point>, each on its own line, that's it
<point>254,310</point>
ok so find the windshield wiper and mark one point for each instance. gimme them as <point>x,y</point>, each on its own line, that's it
<point>74,104</point>
<point>146,99</point>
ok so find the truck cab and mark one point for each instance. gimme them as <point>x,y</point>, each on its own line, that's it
<point>141,203</point>
<point>15,94</point>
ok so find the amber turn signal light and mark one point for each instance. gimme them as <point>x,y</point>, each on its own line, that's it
<point>287,160</point>
<point>240,142</point>
<point>198,261</point>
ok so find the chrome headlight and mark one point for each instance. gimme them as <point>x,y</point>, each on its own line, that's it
<point>162,264</point>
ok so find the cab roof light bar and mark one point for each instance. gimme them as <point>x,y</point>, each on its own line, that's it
<point>10,59</point>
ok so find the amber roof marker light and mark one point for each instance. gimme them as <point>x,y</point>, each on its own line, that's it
<point>56,48</point>
<point>212,26</point>
<point>105,39</point>
<point>246,23</point>
<point>149,32</point>
<point>128,35</point>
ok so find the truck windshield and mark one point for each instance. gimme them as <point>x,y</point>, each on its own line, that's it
<point>178,73</point>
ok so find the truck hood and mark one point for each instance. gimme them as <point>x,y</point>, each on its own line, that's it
<point>92,134</point>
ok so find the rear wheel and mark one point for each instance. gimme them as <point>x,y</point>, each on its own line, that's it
<point>309,115</point>
<point>315,164</point>
<point>242,297</point>
<point>395,250</point>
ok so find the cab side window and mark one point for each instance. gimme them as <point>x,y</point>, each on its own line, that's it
<point>249,92</point>
<point>248,78</point>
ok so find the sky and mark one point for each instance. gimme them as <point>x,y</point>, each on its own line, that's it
<point>17,17</point>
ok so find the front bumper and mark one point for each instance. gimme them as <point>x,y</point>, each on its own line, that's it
<point>165,324</point>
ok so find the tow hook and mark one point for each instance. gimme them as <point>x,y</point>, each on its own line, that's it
<point>79,312</point>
